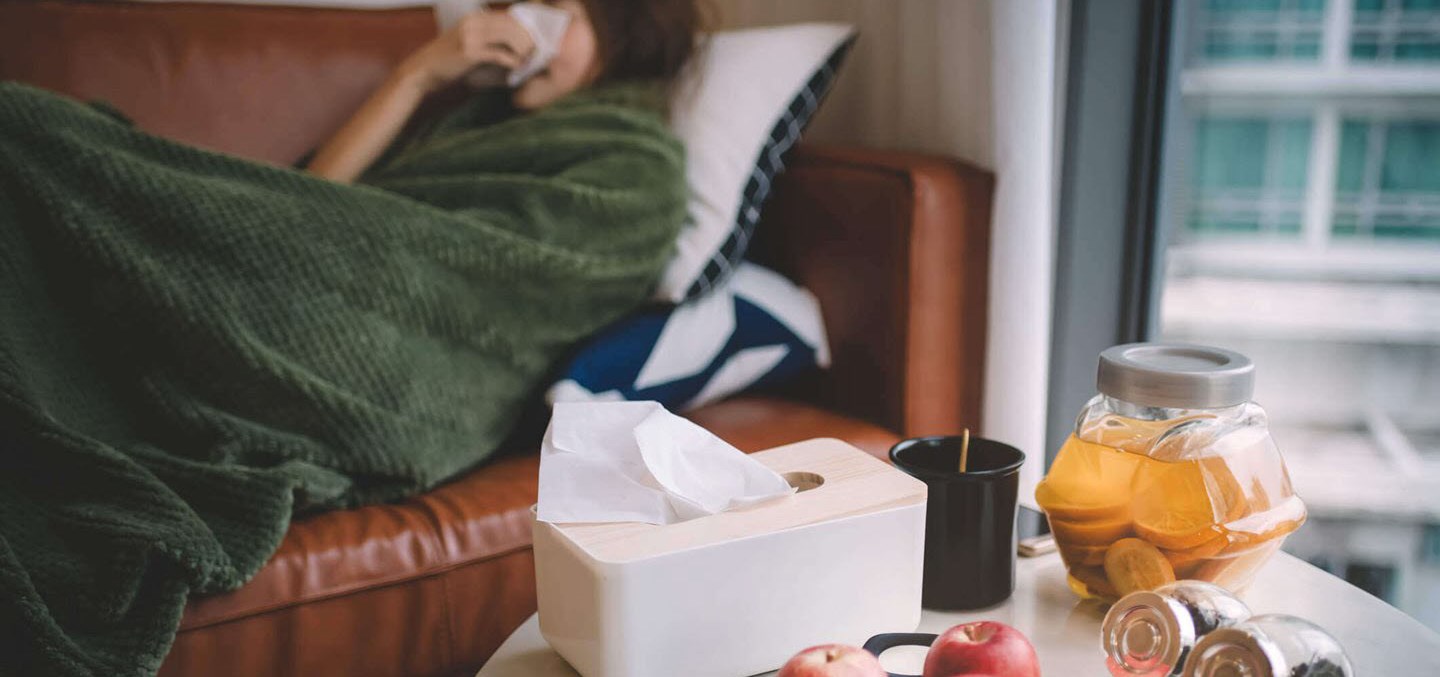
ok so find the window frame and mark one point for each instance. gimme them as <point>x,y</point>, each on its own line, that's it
<point>1108,239</point>
<point>1116,207</point>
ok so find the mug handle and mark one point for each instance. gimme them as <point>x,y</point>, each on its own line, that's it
<point>884,642</point>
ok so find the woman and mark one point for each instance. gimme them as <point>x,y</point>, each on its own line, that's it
<point>193,347</point>
<point>636,41</point>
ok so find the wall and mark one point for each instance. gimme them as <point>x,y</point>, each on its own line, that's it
<point>1028,57</point>
<point>918,79</point>
<point>935,76</point>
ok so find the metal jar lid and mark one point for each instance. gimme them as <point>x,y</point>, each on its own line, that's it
<point>1176,375</point>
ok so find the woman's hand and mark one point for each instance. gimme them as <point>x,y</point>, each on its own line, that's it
<point>480,37</point>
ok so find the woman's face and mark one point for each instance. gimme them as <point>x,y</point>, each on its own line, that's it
<point>576,65</point>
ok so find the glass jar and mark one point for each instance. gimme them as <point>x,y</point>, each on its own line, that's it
<point>1170,474</point>
<point>1274,645</point>
<point>1152,632</point>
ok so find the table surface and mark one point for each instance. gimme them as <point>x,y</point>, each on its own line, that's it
<point>1380,639</point>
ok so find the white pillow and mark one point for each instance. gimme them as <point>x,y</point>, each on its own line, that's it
<point>751,94</point>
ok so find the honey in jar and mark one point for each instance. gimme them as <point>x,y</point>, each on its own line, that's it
<point>1170,474</point>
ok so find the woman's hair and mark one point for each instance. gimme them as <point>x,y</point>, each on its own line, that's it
<point>645,39</point>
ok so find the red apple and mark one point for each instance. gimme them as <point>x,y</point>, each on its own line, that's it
<point>982,648</point>
<point>833,660</point>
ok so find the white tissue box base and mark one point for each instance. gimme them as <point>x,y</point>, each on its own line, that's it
<point>845,565</point>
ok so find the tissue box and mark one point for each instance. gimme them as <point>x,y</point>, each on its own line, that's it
<point>738,593</point>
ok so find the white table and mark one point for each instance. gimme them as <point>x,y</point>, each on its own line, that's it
<point>1381,640</point>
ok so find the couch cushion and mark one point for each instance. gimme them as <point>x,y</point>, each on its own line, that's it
<point>437,580</point>
<point>757,423</point>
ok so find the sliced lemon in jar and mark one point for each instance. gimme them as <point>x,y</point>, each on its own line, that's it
<point>1091,532</point>
<point>1185,562</point>
<point>1180,505</point>
<point>1176,531</point>
<point>1061,510</point>
<point>1087,482</point>
<point>1132,564</point>
<point>1077,555</point>
<point>1091,582</point>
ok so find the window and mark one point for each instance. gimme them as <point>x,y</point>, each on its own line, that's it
<point>1430,544</point>
<point>1388,183</point>
<point>1249,175</point>
<point>1395,31</point>
<point>1376,579</point>
<point>1301,222</point>
<point>1239,31</point>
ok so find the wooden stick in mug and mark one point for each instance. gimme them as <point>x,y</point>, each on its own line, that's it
<point>964,448</point>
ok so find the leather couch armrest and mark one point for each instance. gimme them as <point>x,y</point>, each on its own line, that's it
<point>896,248</point>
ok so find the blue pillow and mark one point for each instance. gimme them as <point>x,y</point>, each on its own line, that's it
<point>758,329</point>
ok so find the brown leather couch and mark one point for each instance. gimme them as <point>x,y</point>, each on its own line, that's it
<point>894,245</point>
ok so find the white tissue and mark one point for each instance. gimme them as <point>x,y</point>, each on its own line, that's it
<point>637,462</point>
<point>546,26</point>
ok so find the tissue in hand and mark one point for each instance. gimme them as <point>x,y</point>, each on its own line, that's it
<point>546,26</point>
<point>637,462</point>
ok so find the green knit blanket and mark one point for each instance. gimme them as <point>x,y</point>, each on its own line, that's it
<point>194,347</point>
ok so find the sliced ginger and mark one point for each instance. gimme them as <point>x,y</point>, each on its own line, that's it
<point>1132,564</point>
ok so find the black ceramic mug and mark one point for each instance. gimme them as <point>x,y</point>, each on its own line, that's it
<point>969,519</point>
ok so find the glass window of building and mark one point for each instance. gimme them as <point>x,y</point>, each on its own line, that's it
<point>1301,221</point>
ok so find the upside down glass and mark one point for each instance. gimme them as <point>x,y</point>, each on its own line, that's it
<point>1151,633</point>
<point>1273,645</point>
<point>1170,474</point>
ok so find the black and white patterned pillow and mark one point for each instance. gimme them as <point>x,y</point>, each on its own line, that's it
<point>768,166</point>
<point>759,329</point>
<point>747,98</point>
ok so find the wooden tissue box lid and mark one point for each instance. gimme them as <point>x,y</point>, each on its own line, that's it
<point>855,483</point>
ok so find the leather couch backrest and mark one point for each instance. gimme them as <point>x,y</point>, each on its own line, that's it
<point>263,82</point>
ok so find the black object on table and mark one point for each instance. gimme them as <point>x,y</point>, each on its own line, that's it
<point>969,519</point>
<point>881,643</point>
